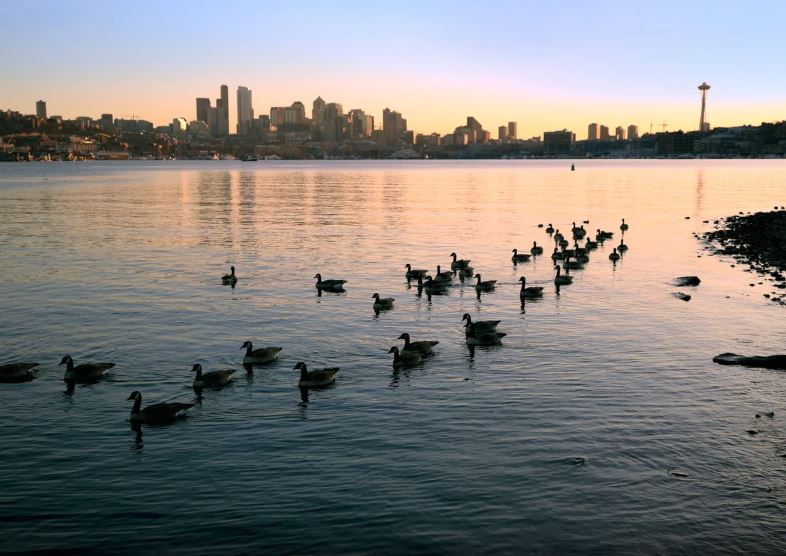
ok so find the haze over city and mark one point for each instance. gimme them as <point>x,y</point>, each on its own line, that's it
<point>544,66</point>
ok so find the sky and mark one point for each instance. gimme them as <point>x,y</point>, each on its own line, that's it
<point>547,65</point>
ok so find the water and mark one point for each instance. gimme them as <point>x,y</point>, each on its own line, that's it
<point>563,439</point>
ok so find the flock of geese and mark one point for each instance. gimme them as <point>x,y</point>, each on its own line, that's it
<point>478,333</point>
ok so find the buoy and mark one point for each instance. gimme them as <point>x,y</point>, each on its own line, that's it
<point>572,167</point>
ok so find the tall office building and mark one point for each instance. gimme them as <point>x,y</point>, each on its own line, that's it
<point>604,133</point>
<point>593,132</point>
<point>222,104</point>
<point>106,122</point>
<point>619,133</point>
<point>333,122</point>
<point>202,109</point>
<point>362,125</point>
<point>558,142</point>
<point>513,131</point>
<point>633,132</point>
<point>393,125</point>
<point>503,132</point>
<point>245,112</point>
<point>285,117</point>
<point>40,109</point>
<point>318,113</point>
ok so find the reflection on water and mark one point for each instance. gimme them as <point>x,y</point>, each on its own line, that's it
<point>475,448</point>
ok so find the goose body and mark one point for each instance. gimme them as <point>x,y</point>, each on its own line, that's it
<point>480,325</point>
<point>550,229</point>
<point>580,232</point>
<point>423,347</point>
<point>334,285</point>
<point>158,413</point>
<point>260,355</point>
<point>413,274</point>
<point>622,247</point>
<point>440,276</point>
<point>562,279</point>
<point>520,257</point>
<point>558,236</point>
<point>485,285</point>
<point>458,264</point>
<point>532,291</point>
<point>556,255</point>
<point>316,378</point>
<point>406,358</point>
<point>84,372</point>
<point>614,256</point>
<point>211,379</point>
<point>431,285</point>
<point>591,245</point>
<point>17,372</point>
<point>229,278</point>
<point>623,226</point>
<point>475,338</point>
<point>382,302</point>
<point>575,265</point>
<point>536,249</point>
<point>603,235</point>
<point>466,272</point>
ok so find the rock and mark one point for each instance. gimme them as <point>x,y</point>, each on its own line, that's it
<point>758,361</point>
<point>540,225</point>
<point>769,414</point>
<point>682,296</point>
<point>687,281</point>
<point>753,432</point>
<point>678,473</point>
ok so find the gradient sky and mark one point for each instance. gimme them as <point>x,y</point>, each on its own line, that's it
<point>547,65</point>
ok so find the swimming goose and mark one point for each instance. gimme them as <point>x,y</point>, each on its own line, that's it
<point>602,235</point>
<point>580,233</point>
<point>575,265</point>
<point>458,264</point>
<point>158,413</point>
<point>406,358</point>
<point>476,338</point>
<point>532,291</point>
<point>562,279</point>
<point>480,325</point>
<point>413,274</point>
<point>550,229</point>
<point>84,372</point>
<point>590,245</point>
<point>578,250</point>
<point>17,372</point>
<point>382,302</point>
<point>424,347</point>
<point>316,378</point>
<point>563,243</point>
<point>261,355</point>
<point>431,285</point>
<point>536,249</point>
<point>488,285</point>
<point>622,247</point>
<point>466,272</point>
<point>335,285</point>
<point>520,257</point>
<point>556,255</point>
<point>623,226</point>
<point>229,278</point>
<point>558,236</point>
<point>614,256</point>
<point>211,379</point>
<point>446,276</point>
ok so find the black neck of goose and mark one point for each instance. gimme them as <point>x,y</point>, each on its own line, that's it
<point>248,348</point>
<point>406,342</point>
<point>137,406</point>
<point>523,284</point>
<point>69,365</point>
<point>396,357</point>
<point>303,373</point>
<point>199,373</point>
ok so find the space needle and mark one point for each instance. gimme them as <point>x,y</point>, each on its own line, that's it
<point>703,125</point>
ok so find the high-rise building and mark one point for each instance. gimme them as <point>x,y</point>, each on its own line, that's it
<point>393,125</point>
<point>558,142</point>
<point>285,118</point>
<point>513,131</point>
<point>604,133</point>
<point>40,109</point>
<point>362,124</point>
<point>202,108</point>
<point>593,133</point>
<point>633,132</point>
<point>318,113</point>
<point>332,122</point>
<point>106,122</point>
<point>619,133</point>
<point>222,104</point>
<point>245,112</point>
<point>503,132</point>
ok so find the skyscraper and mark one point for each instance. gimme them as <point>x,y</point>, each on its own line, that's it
<point>604,133</point>
<point>503,132</point>
<point>245,112</point>
<point>40,109</point>
<point>393,125</point>
<point>593,132</point>
<point>619,133</point>
<point>222,104</point>
<point>333,122</point>
<point>513,131</point>
<point>318,113</point>
<point>202,108</point>
<point>633,132</point>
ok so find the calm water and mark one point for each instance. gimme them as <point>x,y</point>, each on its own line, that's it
<point>464,454</point>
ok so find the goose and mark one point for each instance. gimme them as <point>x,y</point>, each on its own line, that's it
<point>558,236</point>
<point>536,249</point>
<point>590,245</point>
<point>583,259</point>
<point>485,286</point>
<point>563,243</point>
<point>578,250</point>
<point>158,413</point>
<point>17,372</point>
<point>466,272</point>
<point>406,358</point>
<point>413,274</point>
<point>229,278</point>
<point>562,279</point>
<point>211,379</point>
<point>423,347</point>
<point>446,276</point>
<point>431,285</point>
<point>480,325</point>
<point>260,355</point>
<point>574,228</point>
<point>580,232</point>
<point>382,302</point>
<point>614,256</point>
<point>550,229</point>
<point>475,338</point>
<point>623,226</point>
<point>575,265</point>
<point>602,235</point>
<point>84,372</point>
<point>568,253</point>
<point>622,247</point>
<point>458,264</point>
<point>556,255</point>
<point>316,378</point>
<point>532,291</point>
<point>520,257</point>
<point>334,285</point>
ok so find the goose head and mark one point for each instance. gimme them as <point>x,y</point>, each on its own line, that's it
<point>439,269</point>
<point>301,367</point>
<point>515,251</point>
<point>404,336</point>
<point>559,269</point>
<point>534,244</point>
<point>66,360</point>
<point>232,270</point>
<point>478,277</point>
<point>318,276</point>
<point>393,349</point>
<point>375,296</point>
<point>197,368</point>
<point>135,395</point>
<point>408,266</point>
<point>523,281</point>
<point>247,344</point>
<point>466,317</point>
<point>454,255</point>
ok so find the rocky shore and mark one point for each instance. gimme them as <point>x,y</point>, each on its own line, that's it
<point>757,240</point>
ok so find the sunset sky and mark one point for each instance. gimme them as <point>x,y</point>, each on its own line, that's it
<point>546,65</point>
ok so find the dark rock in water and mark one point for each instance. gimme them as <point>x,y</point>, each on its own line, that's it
<point>678,473</point>
<point>753,432</point>
<point>687,281</point>
<point>540,225</point>
<point>769,414</point>
<point>682,296</point>
<point>687,218</point>
<point>758,361</point>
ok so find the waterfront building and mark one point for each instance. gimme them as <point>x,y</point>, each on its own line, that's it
<point>245,111</point>
<point>318,113</point>
<point>513,131</point>
<point>362,125</point>
<point>593,132</point>
<point>558,142</point>
<point>202,109</point>
<point>333,124</point>
<point>619,133</point>
<point>633,132</point>
<point>502,132</point>
<point>604,133</point>
<point>107,122</point>
<point>222,104</point>
<point>40,109</point>
<point>393,125</point>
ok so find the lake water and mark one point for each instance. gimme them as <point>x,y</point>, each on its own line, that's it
<point>563,439</point>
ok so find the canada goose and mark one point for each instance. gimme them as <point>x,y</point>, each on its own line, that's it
<point>550,229</point>
<point>316,378</point>
<point>17,372</point>
<point>578,250</point>
<point>568,253</point>
<point>622,247</point>
<point>413,274</point>
<point>558,236</point>
<point>211,379</point>
<point>423,347</point>
<point>466,272</point>
<point>602,235</point>
<point>623,226</point>
<point>480,325</point>
<point>158,413</point>
<point>563,243</point>
<point>488,285</point>
<point>229,278</point>
<point>84,372</point>
<point>562,279</point>
<point>476,338</point>
<point>580,232</point>
<point>614,256</point>
<point>431,285</point>
<point>591,245</point>
<point>446,276</point>
<point>536,249</point>
<point>556,255</point>
<point>575,265</point>
<point>335,285</point>
<point>532,291</point>
<point>406,358</point>
<point>458,264</point>
<point>261,355</point>
<point>520,257</point>
<point>382,302</point>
